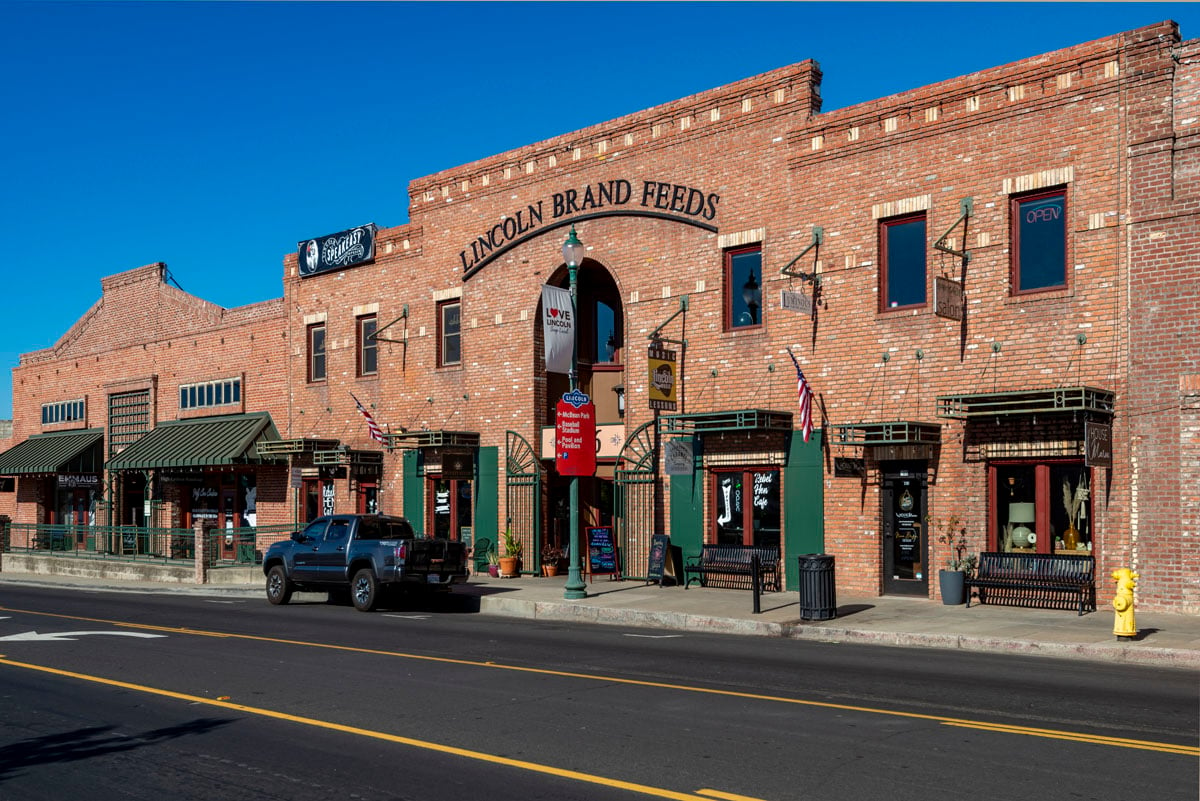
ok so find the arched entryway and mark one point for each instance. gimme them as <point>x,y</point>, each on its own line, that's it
<point>600,351</point>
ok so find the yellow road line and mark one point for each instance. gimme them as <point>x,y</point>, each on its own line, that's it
<point>535,767</point>
<point>948,721</point>
<point>726,796</point>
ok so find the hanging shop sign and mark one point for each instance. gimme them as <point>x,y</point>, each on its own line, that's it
<point>947,298</point>
<point>575,435</point>
<point>619,197</point>
<point>1097,438</point>
<point>338,251</point>
<point>679,457</point>
<point>663,383</point>
<point>458,463</point>
<point>795,301</point>
<point>558,328</point>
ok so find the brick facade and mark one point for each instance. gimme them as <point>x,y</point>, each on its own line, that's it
<point>1112,122</point>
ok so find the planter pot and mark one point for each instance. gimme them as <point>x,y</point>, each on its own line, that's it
<point>953,587</point>
<point>508,567</point>
<point>549,570</point>
<point>494,571</point>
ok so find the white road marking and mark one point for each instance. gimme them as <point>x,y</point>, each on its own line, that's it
<point>69,636</point>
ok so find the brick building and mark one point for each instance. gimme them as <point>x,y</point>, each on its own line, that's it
<point>989,284</point>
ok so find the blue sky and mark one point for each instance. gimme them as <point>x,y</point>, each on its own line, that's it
<point>214,136</point>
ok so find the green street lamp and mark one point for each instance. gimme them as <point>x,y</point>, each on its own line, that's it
<point>575,588</point>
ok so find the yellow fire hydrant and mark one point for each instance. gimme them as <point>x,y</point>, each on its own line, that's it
<point>1124,626</point>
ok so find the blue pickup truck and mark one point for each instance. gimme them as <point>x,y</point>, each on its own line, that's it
<point>367,554</point>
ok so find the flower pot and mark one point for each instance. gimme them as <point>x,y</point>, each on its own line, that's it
<point>508,567</point>
<point>550,570</point>
<point>494,571</point>
<point>953,586</point>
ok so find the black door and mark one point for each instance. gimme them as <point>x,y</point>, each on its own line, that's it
<point>905,539</point>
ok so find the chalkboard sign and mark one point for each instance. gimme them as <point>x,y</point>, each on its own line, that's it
<point>602,551</point>
<point>660,548</point>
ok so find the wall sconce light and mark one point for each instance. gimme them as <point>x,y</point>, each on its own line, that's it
<point>620,390</point>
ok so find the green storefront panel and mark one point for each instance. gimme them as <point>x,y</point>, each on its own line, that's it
<point>414,492</point>
<point>687,512</point>
<point>804,504</point>
<point>487,492</point>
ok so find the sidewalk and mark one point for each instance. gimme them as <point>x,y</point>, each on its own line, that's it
<point>1166,640</point>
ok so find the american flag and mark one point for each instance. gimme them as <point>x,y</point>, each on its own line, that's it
<point>806,417</point>
<point>372,427</point>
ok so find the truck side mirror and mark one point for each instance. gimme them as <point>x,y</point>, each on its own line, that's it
<point>299,536</point>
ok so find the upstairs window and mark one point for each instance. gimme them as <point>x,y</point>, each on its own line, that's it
<point>743,288</point>
<point>316,352</point>
<point>210,393</point>
<point>368,351</point>
<point>902,262</point>
<point>62,412</point>
<point>449,333</point>
<point>1039,241</point>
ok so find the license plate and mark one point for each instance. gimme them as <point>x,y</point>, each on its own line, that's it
<point>432,579</point>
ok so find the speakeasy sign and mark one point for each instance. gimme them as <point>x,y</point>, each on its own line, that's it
<point>337,251</point>
<point>615,198</point>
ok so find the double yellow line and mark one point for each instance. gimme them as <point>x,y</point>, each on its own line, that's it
<point>1093,739</point>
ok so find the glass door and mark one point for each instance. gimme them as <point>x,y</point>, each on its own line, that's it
<point>905,539</point>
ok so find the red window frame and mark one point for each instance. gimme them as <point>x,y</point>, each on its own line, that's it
<point>366,342</point>
<point>315,353</point>
<point>442,335</point>
<point>1015,204</point>
<point>884,262</point>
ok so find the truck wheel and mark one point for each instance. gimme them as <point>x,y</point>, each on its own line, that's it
<point>364,590</point>
<point>279,589</point>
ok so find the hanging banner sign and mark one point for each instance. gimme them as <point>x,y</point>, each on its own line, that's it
<point>575,435</point>
<point>558,328</point>
<point>663,383</point>
<point>337,251</point>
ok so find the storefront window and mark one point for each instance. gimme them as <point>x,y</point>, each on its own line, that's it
<point>747,507</point>
<point>1043,507</point>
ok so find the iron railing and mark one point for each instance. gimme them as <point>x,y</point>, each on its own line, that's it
<point>143,543</point>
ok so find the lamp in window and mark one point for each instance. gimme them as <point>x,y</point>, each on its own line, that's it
<point>620,390</point>
<point>752,295</point>
<point>611,346</point>
<point>1019,515</point>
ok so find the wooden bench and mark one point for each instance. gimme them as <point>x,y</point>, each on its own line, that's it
<point>1035,579</point>
<point>731,567</point>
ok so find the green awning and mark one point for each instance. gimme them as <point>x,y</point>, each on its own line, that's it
<point>60,452</point>
<point>201,442</point>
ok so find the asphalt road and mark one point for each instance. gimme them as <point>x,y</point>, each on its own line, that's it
<point>241,700</point>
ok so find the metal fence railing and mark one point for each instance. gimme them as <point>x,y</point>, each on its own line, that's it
<point>143,543</point>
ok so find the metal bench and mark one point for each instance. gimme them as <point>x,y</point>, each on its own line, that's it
<point>1035,579</point>
<point>732,567</point>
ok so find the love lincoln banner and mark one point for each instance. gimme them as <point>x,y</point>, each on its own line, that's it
<point>558,328</point>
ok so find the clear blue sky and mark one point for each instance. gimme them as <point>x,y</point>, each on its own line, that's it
<point>214,136</point>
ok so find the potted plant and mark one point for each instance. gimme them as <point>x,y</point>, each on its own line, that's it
<point>551,556</point>
<point>959,565</point>
<point>493,560</point>
<point>509,562</point>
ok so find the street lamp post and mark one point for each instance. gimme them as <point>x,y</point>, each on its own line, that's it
<point>572,252</point>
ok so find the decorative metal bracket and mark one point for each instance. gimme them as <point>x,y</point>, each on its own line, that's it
<point>966,208</point>
<point>818,237</point>
<point>378,331</point>
<point>656,334</point>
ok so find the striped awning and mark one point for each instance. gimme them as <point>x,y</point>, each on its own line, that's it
<point>201,442</point>
<point>76,451</point>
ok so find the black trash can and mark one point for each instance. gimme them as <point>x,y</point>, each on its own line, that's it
<point>818,595</point>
